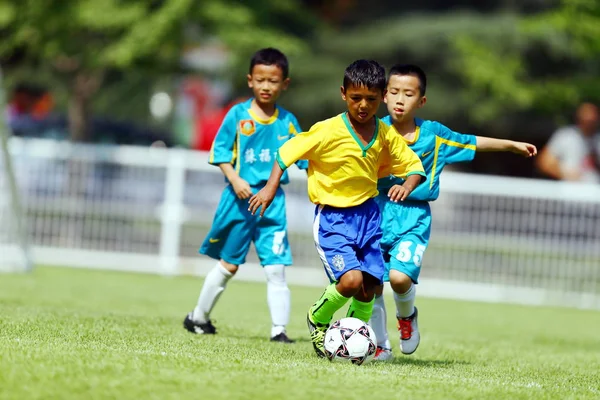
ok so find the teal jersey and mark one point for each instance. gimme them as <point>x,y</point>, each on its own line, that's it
<point>250,143</point>
<point>437,146</point>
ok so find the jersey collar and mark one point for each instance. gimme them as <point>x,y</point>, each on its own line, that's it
<point>355,136</point>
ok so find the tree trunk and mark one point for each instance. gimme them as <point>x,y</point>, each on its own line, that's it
<point>79,128</point>
<point>85,85</point>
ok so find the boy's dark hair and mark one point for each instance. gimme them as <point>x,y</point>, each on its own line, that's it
<point>270,56</point>
<point>411,69</point>
<point>367,73</point>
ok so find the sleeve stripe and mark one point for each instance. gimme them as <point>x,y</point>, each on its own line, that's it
<point>420,173</point>
<point>416,173</point>
<point>280,162</point>
<point>447,142</point>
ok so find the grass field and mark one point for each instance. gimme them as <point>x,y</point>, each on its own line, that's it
<point>73,334</point>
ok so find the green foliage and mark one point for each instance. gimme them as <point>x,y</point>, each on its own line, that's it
<point>116,34</point>
<point>549,65</point>
<point>84,40</point>
<point>577,20</point>
<point>424,39</point>
<point>92,35</point>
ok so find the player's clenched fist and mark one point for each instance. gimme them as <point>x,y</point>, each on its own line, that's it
<point>524,149</point>
<point>262,200</point>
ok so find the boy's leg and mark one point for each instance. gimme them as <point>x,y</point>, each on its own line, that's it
<point>335,296</point>
<point>341,266</point>
<point>278,299</point>
<point>379,317</point>
<point>379,324</point>
<point>404,293</point>
<point>274,253</point>
<point>321,313</point>
<point>405,266</point>
<point>228,241</point>
<point>214,285</point>
<point>362,303</point>
<point>371,262</point>
<point>404,245</point>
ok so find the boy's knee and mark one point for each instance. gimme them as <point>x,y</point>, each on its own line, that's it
<point>399,281</point>
<point>232,268</point>
<point>275,274</point>
<point>350,283</point>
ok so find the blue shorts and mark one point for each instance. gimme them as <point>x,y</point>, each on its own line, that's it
<point>406,230</point>
<point>234,228</point>
<point>348,239</point>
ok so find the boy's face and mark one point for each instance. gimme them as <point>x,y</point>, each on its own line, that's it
<point>267,82</point>
<point>403,97</point>
<point>362,102</point>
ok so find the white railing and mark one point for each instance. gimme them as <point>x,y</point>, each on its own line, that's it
<point>148,209</point>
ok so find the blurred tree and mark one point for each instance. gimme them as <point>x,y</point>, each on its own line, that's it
<point>425,38</point>
<point>421,38</point>
<point>82,42</point>
<point>549,64</point>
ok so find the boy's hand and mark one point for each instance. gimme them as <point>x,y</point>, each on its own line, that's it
<point>398,192</point>
<point>262,200</point>
<point>524,149</point>
<point>241,188</point>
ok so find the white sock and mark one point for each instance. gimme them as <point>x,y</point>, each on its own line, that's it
<point>378,323</point>
<point>214,285</point>
<point>405,303</point>
<point>278,297</point>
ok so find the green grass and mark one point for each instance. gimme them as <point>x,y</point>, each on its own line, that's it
<point>73,334</point>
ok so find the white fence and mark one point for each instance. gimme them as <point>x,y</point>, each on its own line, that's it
<point>148,210</point>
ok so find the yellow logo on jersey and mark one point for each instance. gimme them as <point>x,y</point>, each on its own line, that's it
<point>211,240</point>
<point>425,154</point>
<point>247,127</point>
<point>292,129</point>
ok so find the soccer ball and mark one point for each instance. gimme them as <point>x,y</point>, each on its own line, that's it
<point>350,340</point>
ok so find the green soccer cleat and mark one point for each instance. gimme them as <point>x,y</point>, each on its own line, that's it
<point>317,335</point>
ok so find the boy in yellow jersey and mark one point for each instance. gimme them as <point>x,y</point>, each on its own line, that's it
<point>344,155</point>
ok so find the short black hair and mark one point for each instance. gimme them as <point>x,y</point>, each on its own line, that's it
<point>411,69</point>
<point>270,56</point>
<point>367,73</point>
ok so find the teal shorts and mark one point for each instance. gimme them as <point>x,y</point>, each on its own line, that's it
<point>234,228</point>
<point>406,230</point>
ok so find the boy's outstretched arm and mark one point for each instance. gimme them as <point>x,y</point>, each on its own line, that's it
<point>487,144</point>
<point>265,196</point>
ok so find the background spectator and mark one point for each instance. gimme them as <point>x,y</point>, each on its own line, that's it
<point>573,151</point>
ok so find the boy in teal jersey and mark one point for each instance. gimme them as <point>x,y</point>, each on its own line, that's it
<point>244,149</point>
<point>344,155</point>
<point>407,225</point>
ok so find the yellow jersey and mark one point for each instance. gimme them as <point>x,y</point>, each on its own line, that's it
<point>342,171</point>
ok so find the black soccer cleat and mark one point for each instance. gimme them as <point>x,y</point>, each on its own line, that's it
<point>206,328</point>
<point>282,338</point>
